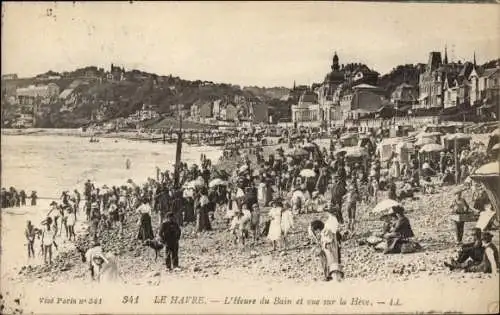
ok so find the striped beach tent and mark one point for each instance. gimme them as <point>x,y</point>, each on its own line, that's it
<point>410,139</point>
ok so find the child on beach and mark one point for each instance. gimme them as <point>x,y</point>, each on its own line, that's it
<point>274,234</point>
<point>70,223</point>
<point>30,237</point>
<point>48,238</point>
<point>286,223</point>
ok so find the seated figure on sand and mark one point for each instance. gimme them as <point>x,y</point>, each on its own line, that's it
<point>470,254</point>
<point>488,263</point>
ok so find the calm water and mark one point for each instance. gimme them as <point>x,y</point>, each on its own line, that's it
<point>51,164</point>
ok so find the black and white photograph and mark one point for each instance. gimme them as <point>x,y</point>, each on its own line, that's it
<point>250,157</point>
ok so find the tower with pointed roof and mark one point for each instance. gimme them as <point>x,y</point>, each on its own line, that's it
<point>335,62</point>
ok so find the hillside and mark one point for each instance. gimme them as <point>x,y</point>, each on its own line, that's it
<point>95,93</point>
<point>263,92</point>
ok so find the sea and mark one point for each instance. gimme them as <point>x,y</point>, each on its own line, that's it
<point>51,164</point>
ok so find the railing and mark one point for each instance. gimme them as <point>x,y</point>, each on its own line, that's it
<point>396,121</point>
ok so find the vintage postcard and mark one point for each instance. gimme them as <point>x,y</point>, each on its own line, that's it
<point>248,157</point>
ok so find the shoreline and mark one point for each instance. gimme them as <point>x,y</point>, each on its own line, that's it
<point>123,135</point>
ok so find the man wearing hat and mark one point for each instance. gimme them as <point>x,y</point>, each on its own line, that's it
<point>489,262</point>
<point>170,233</point>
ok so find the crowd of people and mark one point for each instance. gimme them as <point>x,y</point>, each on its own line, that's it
<point>14,198</point>
<point>305,179</point>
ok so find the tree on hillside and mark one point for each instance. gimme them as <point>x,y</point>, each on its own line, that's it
<point>401,74</point>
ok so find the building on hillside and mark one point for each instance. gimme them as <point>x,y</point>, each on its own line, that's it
<point>431,83</point>
<point>338,82</point>
<point>229,112</point>
<point>307,109</point>
<point>404,96</point>
<point>37,93</point>
<point>206,110</point>
<point>216,108</point>
<point>116,74</point>
<point>485,86</point>
<point>260,112</point>
<point>450,92</point>
<point>9,76</point>
<point>201,110</point>
<point>362,99</point>
<point>194,112</point>
<point>176,107</point>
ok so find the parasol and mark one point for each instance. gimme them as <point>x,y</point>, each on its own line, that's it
<point>424,141</point>
<point>243,168</point>
<point>307,173</point>
<point>495,133</point>
<point>489,176</point>
<point>431,147</point>
<point>491,169</point>
<point>216,182</point>
<point>385,207</point>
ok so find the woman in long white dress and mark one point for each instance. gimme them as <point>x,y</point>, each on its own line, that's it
<point>274,234</point>
<point>330,243</point>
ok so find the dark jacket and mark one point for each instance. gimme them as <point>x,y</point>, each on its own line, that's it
<point>170,232</point>
<point>403,228</point>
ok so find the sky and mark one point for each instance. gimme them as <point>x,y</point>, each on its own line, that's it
<point>244,43</point>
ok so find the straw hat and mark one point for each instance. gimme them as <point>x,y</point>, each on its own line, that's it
<point>277,202</point>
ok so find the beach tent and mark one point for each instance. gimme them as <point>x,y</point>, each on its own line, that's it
<point>462,141</point>
<point>425,140</point>
<point>387,147</point>
<point>349,140</point>
<point>489,176</point>
<point>405,150</point>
